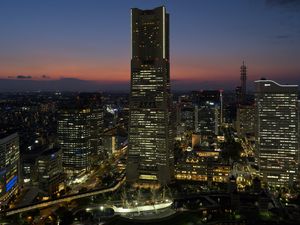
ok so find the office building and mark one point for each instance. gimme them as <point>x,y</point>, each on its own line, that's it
<point>9,165</point>
<point>80,125</point>
<point>150,152</point>
<point>208,110</point>
<point>96,131</point>
<point>241,91</point>
<point>49,170</point>
<point>277,138</point>
<point>243,78</point>
<point>207,118</point>
<point>245,120</point>
<point>42,168</point>
<point>109,144</point>
<point>186,117</point>
<point>93,103</point>
<point>74,140</point>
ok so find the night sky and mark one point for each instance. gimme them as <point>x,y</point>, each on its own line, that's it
<point>209,39</point>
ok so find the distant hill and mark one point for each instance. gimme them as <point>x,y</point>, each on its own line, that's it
<point>74,84</point>
<point>65,84</point>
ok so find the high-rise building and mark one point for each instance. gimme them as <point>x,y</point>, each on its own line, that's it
<point>79,132</point>
<point>96,129</point>
<point>277,138</point>
<point>208,110</point>
<point>9,165</point>
<point>93,101</point>
<point>243,82</point>
<point>109,144</point>
<point>186,116</point>
<point>74,140</point>
<point>150,156</point>
<point>245,120</point>
<point>241,91</point>
<point>207,118</point>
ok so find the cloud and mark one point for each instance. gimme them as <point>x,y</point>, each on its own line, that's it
<point>45,76</point>
<point>23,77</point>
<point>283,36</point>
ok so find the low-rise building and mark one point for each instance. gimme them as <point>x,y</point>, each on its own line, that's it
<point>202,166</point>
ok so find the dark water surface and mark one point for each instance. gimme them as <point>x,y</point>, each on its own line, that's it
<point>186,218</point>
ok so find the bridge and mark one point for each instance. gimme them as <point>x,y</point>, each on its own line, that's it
<point>63,199</point>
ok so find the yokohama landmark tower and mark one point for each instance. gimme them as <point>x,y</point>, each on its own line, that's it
<point>149,149</point>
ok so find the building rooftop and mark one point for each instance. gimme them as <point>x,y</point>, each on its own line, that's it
<point>6,135</point>
<point>42,150</point>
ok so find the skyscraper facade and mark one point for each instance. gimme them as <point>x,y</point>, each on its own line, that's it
<point>241,91</point>
<point>9,165</point>
<point>277,138</point>
<point>73,136</point>
<point>79,132</point>
<point>49,170</point>
<point>243,82</point>
<point>186,116</point>
<point>208,110</point>
<point>149,157</point>
<point>245,120</point>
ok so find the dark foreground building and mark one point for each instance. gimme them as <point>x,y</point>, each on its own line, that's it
<point>150,159</point>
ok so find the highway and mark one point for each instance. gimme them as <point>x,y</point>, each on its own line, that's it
<point>63,199</point>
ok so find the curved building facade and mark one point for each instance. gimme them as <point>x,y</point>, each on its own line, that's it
<point>277,135</point>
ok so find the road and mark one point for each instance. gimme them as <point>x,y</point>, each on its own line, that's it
<point>90,183</point>
<point>64,199</point>
<point>93,178</point>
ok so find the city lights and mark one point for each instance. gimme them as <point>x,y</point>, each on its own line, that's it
<point>151,115</point>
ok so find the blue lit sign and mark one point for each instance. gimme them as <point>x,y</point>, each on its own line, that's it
<point>11,183</point>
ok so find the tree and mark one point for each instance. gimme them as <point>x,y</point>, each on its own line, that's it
<point>67,218</point>
<point>231,149</point>
<point>65,215</point>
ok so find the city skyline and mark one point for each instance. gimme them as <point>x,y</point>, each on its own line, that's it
<point>193,146</point>
<point>59,40</point>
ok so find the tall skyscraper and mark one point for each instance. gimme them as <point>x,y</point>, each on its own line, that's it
<point>277,138</point>
<point>241,91</point>
<point>243,82</point>
<point>149,157</point>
